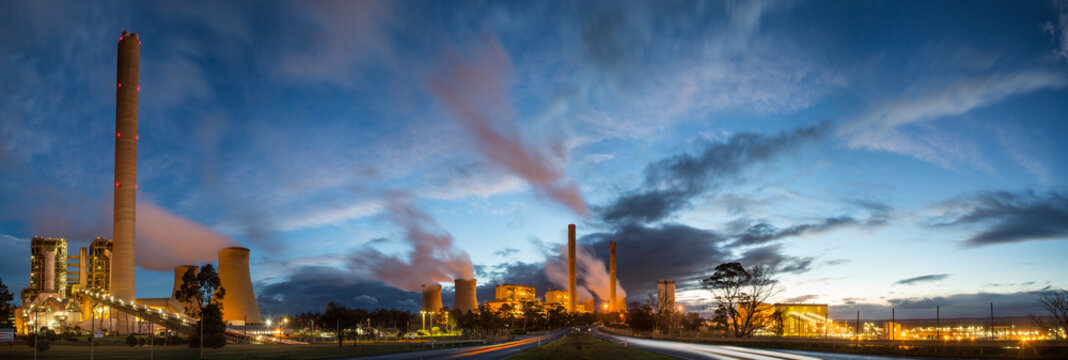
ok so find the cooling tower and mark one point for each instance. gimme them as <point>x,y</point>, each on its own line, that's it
<point>432,298</point>
<point>239,303</point>
<point>127,87</point>
<point>612,305</point>
<point>465,299</point>
<point>572,304</point>
<point>179,273</point>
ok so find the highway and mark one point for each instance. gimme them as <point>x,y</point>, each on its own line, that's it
<point>684,350</point>
<point>486,352</point>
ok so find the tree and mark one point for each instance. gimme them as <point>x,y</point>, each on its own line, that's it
<point>6,310</point>
<point>640,316</point>
<point>692,321</point>
<point>1056,304</point>
<point>204,292</point>
<point>743,293</point>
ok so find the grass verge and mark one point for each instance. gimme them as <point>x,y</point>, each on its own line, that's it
<point>585,347</point>
<point>231,351</point>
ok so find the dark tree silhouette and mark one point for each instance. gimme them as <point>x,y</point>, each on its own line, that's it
<point>204,292</point>
<point>742,293</point>
<point>6,310</point>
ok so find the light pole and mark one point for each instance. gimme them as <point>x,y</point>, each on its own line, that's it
<point>423,323</point>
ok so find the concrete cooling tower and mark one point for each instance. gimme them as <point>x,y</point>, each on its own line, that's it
<point>465,296</point>
<point>239,303</point>
<point>431,298</point>
<point>179,273</point>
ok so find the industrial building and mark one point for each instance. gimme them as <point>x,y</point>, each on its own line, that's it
<point>559,297</point>
<point>48,269</point>
<point>803,320</point>
<point>511,294</point>
<point>665,295</point>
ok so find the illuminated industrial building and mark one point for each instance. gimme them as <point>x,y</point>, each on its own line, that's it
<point>98,266</point>
<point>48,269</point>
<point>558,297</point>
<point>511,294</point>
<point>803,320</point>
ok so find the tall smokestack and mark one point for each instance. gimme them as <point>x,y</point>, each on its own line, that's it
<point>83,259</point>
<point>124,246</point>
<point>612,277</point>
<point>465,299</point>
<point>572,304</point>
<point>432,298</point>
<point>50,270</point>
<point>239,303</point>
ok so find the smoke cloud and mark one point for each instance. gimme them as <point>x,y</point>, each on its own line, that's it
<point>432,258</point>
<point>475,91</point>
<point>166,240</point>
<point>592,278</point>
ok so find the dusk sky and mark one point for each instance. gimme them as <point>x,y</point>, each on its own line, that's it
<point>875,154</point>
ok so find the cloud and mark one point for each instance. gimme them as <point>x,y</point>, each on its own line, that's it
<point>763,232</point>
<point>883,125</point>
<point>802,298</point>
<point>671,183</point>
<point>646,254</point>
<point>922,279</point>
<point>1059,32</point>
<point>506,252</point>
<point>309,288</point>
<point>432,257</point>
<point>962,305</point>
<point>772,257</point>
<point>1008,217</point>
<point>347,37</point>
<point>474,90</point>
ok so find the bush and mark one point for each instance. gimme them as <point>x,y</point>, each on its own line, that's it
<point>142,341</point>
<point>175,340</point>
<point>42,343</point>
<point>131,340</point>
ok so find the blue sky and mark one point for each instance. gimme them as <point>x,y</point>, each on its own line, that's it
<point>852,146</point>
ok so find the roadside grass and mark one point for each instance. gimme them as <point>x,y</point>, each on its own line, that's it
<point>80,351</point>
<point>585,347</point>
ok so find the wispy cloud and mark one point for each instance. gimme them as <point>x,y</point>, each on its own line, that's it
<point>1008,217</point>
<point>885,126</point>
<point>922,279</point>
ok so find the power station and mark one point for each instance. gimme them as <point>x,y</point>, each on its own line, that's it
<point>572,298</point>
<point>109,266</point>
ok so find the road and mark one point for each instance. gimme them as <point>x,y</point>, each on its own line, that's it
<point>684,350</point>
<point>486,352</point>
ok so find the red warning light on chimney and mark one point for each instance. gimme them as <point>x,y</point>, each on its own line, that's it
<point>118,134</point>
<point>116,184</point>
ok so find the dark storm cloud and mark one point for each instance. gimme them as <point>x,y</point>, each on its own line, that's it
<point>309,288</point>
<point>646,254</point>
<point>772,257</point>
<point>1010,217</point>
<point>922,279</point>
<point>951,306</point>
<point>671,183</point>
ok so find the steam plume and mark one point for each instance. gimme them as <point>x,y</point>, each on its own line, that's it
<point>475,91</point>
<point>432,258</point>
<point>592,275</point>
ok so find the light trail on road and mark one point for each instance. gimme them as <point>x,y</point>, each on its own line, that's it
<point>684,350</point>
